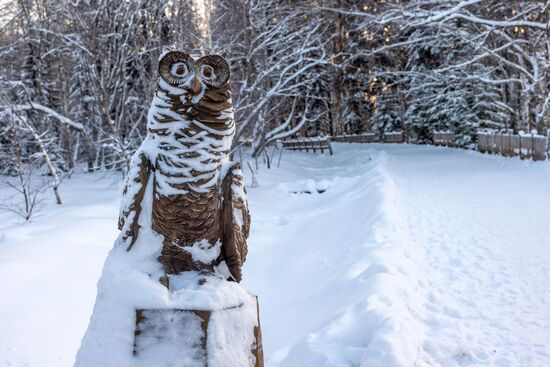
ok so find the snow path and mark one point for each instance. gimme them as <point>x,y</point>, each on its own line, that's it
<point>335,284</point>
<point>481,228</point>
<point>379,256</point>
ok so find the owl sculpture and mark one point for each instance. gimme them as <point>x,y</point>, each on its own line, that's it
<point>198,198</point>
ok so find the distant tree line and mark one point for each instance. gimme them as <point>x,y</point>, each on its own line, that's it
<point>77,76</point>
<point>459,66</point>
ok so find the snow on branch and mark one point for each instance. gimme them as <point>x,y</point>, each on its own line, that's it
<point>33,106</point>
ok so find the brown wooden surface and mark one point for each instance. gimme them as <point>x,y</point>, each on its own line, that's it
<point>187,196</point>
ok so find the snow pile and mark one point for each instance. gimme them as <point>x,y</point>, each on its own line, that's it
<point>202,251</point>
<point>335,277</point>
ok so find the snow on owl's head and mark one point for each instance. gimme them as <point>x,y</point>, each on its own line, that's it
<point>198,88</point>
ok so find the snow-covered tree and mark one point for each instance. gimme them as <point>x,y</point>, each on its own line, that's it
<point>298,68</point>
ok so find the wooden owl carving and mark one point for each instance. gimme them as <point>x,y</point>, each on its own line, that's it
<point>198,198</point>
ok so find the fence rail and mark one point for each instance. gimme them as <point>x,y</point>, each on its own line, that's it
<point>320,143</point>
<point>526,146</point>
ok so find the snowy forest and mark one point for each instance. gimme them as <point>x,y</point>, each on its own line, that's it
<point>76,77</point>
<point>305,183</point>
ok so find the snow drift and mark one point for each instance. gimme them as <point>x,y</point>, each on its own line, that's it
<point>334,275</point>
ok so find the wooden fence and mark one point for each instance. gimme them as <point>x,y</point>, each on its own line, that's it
<point>396,137</point>
<point>526,146</point>
<point>532,146</point>
<point>355,138</point>
<point>320,143</point>
<point>444,138</point>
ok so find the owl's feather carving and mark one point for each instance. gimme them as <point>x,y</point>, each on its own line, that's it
<point>202,216</point>
<point>235,221</point>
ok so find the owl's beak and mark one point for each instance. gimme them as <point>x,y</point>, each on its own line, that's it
<point>194,87</point>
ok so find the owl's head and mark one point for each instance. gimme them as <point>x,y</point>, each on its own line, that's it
<point>197,89</point>
<point>185,75</point>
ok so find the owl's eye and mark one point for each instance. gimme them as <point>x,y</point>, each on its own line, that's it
<point>176,67</point>
<point>207,71</point>
<point>179,69</point>
<point>214,70</point>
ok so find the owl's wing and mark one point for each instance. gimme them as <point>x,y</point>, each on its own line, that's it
<point>235,220</point>
<point>135,184</point>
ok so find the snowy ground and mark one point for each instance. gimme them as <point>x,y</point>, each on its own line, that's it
<point>381,255</point>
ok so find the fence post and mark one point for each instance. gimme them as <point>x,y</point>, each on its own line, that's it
<point>532,146</point>
<point>520,147</point>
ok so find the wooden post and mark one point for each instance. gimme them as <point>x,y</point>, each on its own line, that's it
<point>532,146</point>
<point>520,148</point>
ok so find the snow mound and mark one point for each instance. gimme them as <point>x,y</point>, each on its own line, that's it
<point>348,281</point>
